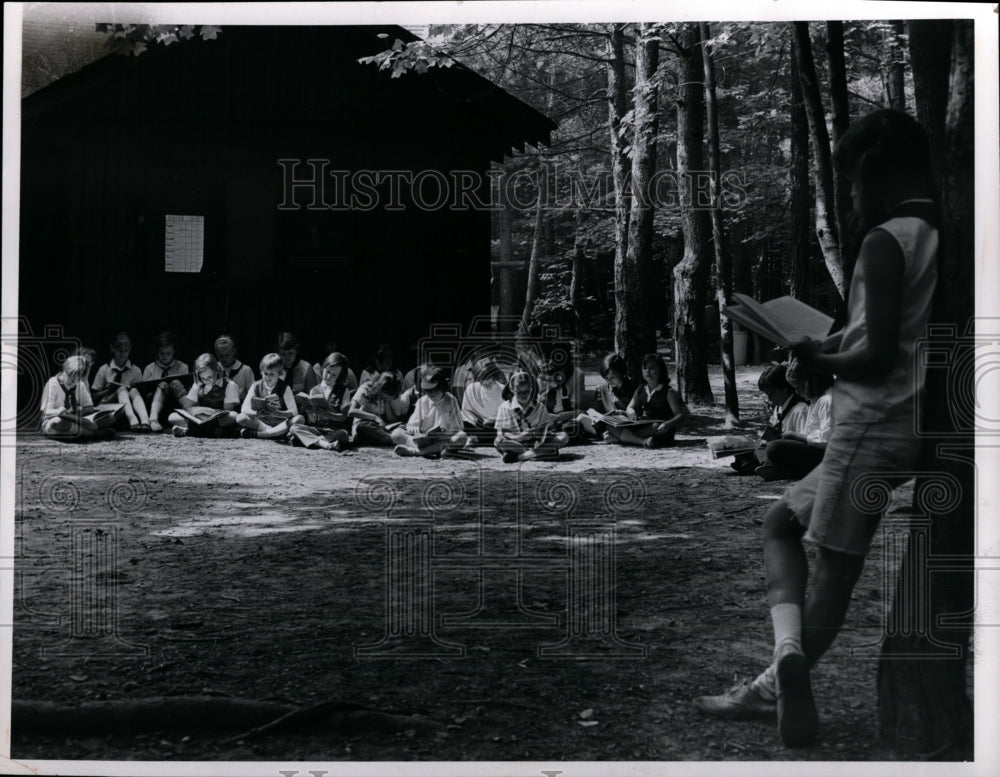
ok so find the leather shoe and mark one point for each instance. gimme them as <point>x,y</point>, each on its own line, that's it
<point>741,702</point>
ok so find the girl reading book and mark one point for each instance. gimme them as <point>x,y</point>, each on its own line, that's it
<point>655,402</point>
<point>886,155</point>
<point>209,408</point>
<point>66,402</point>
<point>436,424</point>
<point>523,424</point>
<point>325,409</point>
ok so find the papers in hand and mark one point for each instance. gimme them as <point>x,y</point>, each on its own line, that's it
<point>783,321</point>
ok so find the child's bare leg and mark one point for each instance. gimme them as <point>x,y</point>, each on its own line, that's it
<point>456,442</point>
<point>785,562</point>
<point>507,446</point>
<point>786,571</point>
<point>834,577</point>
<point>156,409</point>
<point>400,436</point>
<point>587,424</point>
<point>122,397</point>
<point>629,437</point>
<point>138,406</point>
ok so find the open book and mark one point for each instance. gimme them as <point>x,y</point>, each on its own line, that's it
<point>205,418</point>
<point>731,445</point>
<point>265,412</point>
<point>105,415</point>
<point>783,321</point>
<point>618,420</point>
<point>317,410</point>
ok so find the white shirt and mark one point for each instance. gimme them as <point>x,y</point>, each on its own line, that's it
<point>481,402</point>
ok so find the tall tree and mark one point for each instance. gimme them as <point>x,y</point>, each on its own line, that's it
<point>841,119</point>
<point>617,108</point>
<point>535,259</point>
<point>635,334</point>
<point>691,273</point>
<point>822,157</point>
<point>895,66</point>
<point>923,708</point>
<point>724,281</point>
<point>799,194</point>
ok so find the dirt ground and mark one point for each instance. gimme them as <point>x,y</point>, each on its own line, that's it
<point>547,611</point>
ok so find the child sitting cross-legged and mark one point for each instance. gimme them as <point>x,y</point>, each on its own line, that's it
<point>656,401</point>
<point>523,423</point>
<point>789,412</point>
<point>211,391</point>
<point>269,409</point>
<point>66,401</point>
<point>800,448</point>
<point>436,424</point>
<point>327,427</point>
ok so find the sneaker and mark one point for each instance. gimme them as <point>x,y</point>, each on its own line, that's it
<point>528,456</point>
<point>248,434</point>
<point>741,702</point>
<point>179,431</point>
<point>336,446</point>
<point>404,450</point>
<point>510,457</point>
<point>145,428</point>
<point>797,720</point>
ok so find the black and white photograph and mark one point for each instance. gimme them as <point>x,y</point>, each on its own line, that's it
<point>500,388</point>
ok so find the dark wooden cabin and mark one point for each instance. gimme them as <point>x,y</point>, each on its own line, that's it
<point>198,129</point>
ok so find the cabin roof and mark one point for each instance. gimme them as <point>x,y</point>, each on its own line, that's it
<point>62,62</point>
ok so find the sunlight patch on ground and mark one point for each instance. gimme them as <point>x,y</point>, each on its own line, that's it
<point>257,525</point>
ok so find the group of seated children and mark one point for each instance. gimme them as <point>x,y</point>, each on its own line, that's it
<point>794,439</point>
<point>531,414</point>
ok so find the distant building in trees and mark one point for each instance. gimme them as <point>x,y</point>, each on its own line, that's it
<point>192,157</point>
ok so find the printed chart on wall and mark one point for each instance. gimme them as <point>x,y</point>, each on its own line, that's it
<point>184,243</point>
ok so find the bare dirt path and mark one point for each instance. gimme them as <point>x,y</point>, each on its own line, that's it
<point>550,611</point>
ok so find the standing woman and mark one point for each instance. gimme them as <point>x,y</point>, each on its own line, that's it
<point>887,157</point>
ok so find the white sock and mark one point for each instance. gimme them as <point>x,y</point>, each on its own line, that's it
<point>787,621</point>
<point>765,684</point>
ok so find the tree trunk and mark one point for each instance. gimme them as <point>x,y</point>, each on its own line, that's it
<point>923,708</point>
<point>822,160</point>
<point>617,108</point>
<point>576,277</point>
<point>724,281</point>
<point>896,68</point>
<point>841,122</point>
<point>691,273</point>
<point>508,311</point>
<point>799,198</point>
<point>930,58</point>
<point>634,332</point>
<point>533,263</point>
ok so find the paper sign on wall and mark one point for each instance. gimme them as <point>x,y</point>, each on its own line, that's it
<point>184,246</point>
